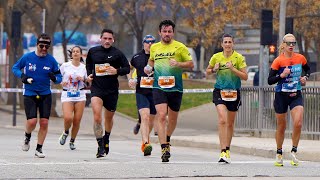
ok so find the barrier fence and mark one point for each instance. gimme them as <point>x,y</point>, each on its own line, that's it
<point>256,113</point>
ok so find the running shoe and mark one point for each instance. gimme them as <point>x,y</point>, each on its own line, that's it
<point>136,129</point>
<point>294,160</point>
<point>279,160</point>
<point>228,156</point>
<point>100,152</point>
<point>63,138</point>
<point>72,146</point>
<point>223,158</point>
<point>26,144</point>
<point>106,145</point>
<point>165,153</point>
<point>147,148</point>
<point>39,153</point>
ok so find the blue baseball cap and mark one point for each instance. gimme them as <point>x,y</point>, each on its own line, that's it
<point>148,37</point>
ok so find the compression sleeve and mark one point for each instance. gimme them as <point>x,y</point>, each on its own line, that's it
<point>274,77</point>
<point>306,69</point>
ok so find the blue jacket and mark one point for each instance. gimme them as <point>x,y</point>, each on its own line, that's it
<point>38,68</point>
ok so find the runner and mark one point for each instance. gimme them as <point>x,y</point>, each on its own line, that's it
<point>39,68</point>
<point>230,68</point>
<point>286,71</point>
<point>73,96</point>
<point>143,85</point>
<point>104,64</point>
<point>167,57</point>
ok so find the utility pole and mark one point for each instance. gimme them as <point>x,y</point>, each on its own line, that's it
<point>282,20</point>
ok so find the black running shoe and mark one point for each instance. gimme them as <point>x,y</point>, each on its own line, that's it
<point>100,152</point>
<point>136,128</point>
<point>106,143</point>
<point>165,153</point>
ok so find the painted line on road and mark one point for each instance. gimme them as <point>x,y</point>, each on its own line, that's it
<point>130,162</point>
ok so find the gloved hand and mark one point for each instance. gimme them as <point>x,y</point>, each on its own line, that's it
<point>52,76</point>
<point>25,79</point>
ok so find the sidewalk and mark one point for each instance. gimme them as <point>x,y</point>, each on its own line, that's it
<point>308,150</point>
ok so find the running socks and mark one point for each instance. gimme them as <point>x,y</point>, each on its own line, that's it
<point>28,135</point>
<point>294,149</point>
<point>66,131</point>
<point>168,139</point>
<point>279,151</point>
<point>39,147</point>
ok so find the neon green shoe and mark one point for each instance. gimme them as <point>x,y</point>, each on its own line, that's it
<point>279,160</point>
<point>294,160</point>
<point>228,156</point>
<point>223,158</point>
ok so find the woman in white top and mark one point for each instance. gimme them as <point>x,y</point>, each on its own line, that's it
<point>73,96</point>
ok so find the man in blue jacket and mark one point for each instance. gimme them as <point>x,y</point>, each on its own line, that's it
<point>39,68</point>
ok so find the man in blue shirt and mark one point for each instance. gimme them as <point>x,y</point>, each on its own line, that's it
<point>39,68</point>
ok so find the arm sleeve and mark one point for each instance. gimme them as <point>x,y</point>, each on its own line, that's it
<point>274,77</point>
<point>125,67</point>
<point>306,69</point>
<point>89,65</point>
<point>16,68</point>
<point>57,73</point>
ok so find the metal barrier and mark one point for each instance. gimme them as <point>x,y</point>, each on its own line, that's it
<point>251,118</point>
<point>256,113</point>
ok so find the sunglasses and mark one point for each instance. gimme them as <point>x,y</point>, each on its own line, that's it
<point>42,46</point>
<point>149,41</point>
<point>291,43</point>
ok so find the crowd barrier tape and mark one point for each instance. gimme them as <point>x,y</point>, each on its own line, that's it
<point>120,91</point>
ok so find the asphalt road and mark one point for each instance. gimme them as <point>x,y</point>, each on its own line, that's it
<point>125,161</point>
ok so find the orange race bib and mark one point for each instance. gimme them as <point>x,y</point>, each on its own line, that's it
<point>146,82</point>
<point>101,69</point>
<point>166,81</point>
<point>228,94</point>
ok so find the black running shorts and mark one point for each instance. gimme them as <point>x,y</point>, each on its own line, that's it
<point>32,104</point>
<point>109,100</point>
<point>173,99</point>
<point>283,100</point>
<point>231,105</point>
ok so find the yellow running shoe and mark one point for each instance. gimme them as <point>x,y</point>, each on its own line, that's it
<point>279,160</point>
<point>228,156</point>
<point>294,160</point>
<point>223,158</point>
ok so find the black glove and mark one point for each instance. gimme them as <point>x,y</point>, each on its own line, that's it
<point>52,77</point>
<point>25,78</point>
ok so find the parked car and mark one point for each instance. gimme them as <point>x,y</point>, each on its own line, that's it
<point>251,70</point>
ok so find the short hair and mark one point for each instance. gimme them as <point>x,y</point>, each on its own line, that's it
<point>106,31</point>
<point>44,36</point>
<point>226,35</point>
<point>166,23</point>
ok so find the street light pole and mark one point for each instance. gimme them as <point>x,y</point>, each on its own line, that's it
<point>282,20</point>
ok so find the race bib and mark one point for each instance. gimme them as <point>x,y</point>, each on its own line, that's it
<point>73,93</point>
<point>228,94</point>
<point>166,81</point>
<point>101,69</point>
<point>146,82</point>
<point>290,87</point>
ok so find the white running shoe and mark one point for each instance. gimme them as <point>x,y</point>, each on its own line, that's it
<point>279,160</point>
<point>26,145</point>
<point>63,138</point>
<point>39,154</point>
<point>294,160</point>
